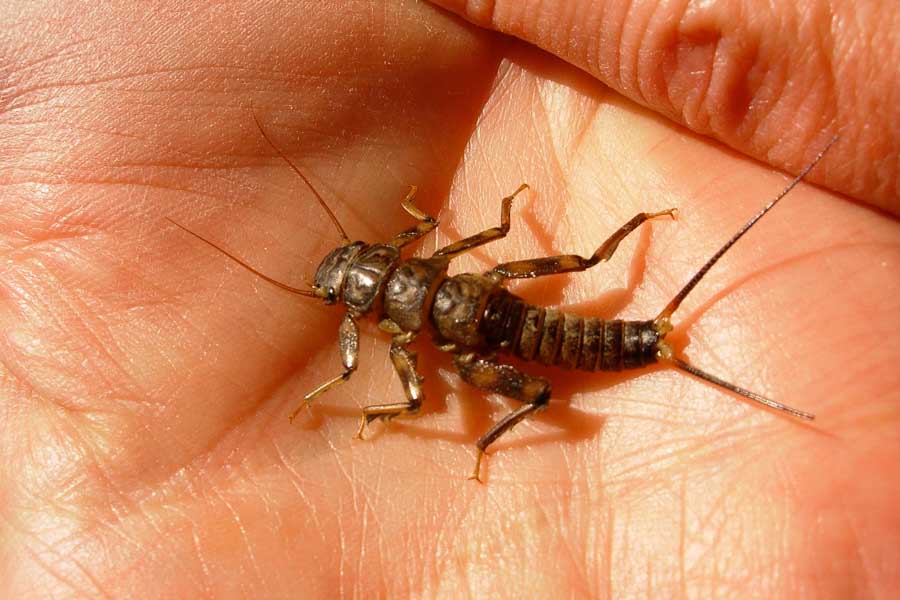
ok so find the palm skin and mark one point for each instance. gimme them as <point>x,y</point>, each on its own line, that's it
<point>147,380</point>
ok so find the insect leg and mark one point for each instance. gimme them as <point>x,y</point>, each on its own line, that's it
<point>488,235</point>
<point>426,224</point>
<point>488,375</point>
<point>405,364</point>
<point>348,342</point>
<point>567,263</point>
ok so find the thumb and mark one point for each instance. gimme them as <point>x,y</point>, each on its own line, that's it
<point>772,80</point>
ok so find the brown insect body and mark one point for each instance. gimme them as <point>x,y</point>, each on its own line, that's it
<point>474,317</point>
<point>474,313</point>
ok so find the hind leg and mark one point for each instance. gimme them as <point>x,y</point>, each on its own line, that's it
<point>488,375</point>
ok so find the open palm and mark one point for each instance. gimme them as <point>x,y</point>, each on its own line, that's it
<point>146,379</point>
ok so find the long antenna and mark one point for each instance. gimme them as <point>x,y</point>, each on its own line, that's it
<point>263,276</point>
<point>305,179</point>
<point>673,305</point>
<point>663,323</point>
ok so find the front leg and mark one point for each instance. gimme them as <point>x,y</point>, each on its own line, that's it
<point>426,222</point>
<point>348,342</point>
<point>486,236</point>
<point>405,364</point>
<point>488,375</point>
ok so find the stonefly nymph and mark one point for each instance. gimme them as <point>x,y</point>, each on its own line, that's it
<point>473,317</point>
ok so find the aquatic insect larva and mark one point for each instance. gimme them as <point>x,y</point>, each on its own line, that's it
<point>474,317</point>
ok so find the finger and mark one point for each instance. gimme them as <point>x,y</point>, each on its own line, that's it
<point>773,81</point>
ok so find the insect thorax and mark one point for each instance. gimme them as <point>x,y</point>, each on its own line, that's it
<point>367,275</point>
<point>411,290</point>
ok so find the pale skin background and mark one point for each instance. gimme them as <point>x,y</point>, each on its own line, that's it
<point>146,380</point>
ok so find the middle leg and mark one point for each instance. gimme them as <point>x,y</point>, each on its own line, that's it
<point>405,364</point>
<point>567,263</point>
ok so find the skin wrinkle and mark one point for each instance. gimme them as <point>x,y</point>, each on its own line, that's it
<point>104,352</point>
<point>296,481</point>
<point>590,47</point>
<point>713,444</point>
<point>732,101</point>
<point>206,582</point>
<point>67,402</point>
<point>124,182</point>
<point>605,568</point>
<point>827,54</point>
<point>625,70</point>
<point>69,409</point>
<point>654,31</point>
<point>48,568</point>
<point>692,110</point>
<point>201,459</point>
<point>541,115</point>
<point>73,546</point>
<point>570,25</point>
<point>801,111</point>
<point>861,554</point>
<point>248,547</point>
<point>579,563</point>
<point>607,28</point>
<point>57,241</point>
<point>682,532</point>
<point>765,109</point>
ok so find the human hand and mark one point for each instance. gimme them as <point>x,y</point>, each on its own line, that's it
<point>147,380</point>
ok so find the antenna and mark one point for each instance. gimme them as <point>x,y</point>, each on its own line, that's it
<point>263,276</point>
<point>663,324</point>
<point>305,179</point>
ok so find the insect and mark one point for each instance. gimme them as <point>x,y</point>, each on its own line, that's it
<point>476,319</point>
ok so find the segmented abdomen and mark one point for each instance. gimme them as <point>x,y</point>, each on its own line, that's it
<point>557,338</point>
